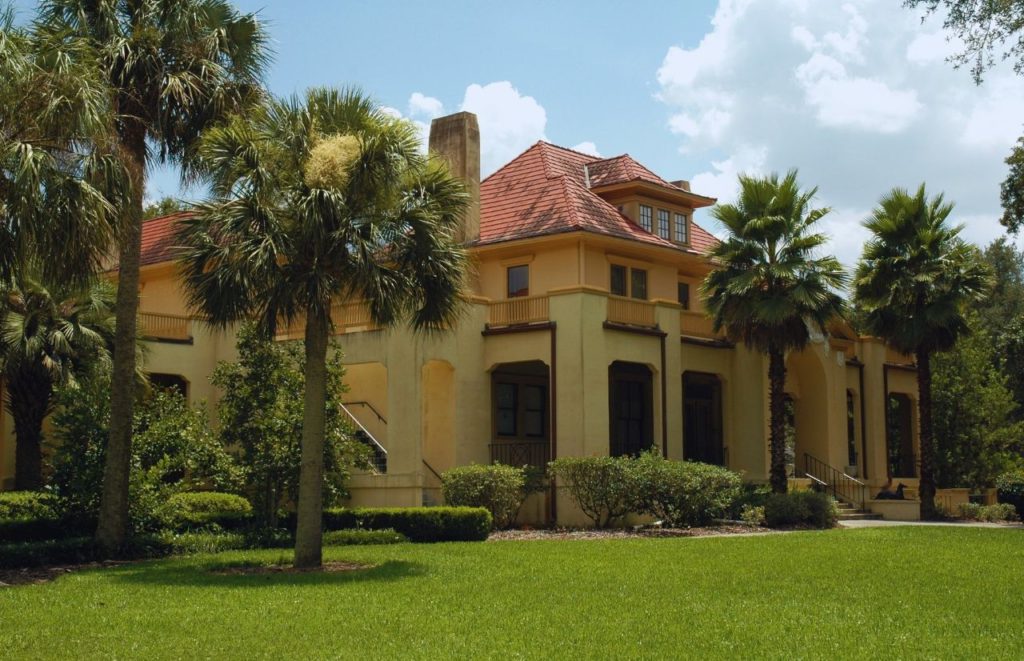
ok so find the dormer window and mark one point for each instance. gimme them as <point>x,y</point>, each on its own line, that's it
<point>663,223</point>
<point>681,233</point>
<point>646,217</point>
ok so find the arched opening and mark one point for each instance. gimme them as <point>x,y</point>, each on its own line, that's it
<point>807,387</point>
<point>438,419</point>
<point>702,418</point>
<point>630,408</point>
<point>521,414</point>
<point>174,382</point>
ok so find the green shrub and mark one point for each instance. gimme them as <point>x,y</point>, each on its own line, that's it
<point>49,552</point>
<point>499,489</point>
<point>683,493</point>
<point>362,537</point>
<point>27,505</point>
<point>751,495</point>
<point>1001,513</point>
<point>603,487</point>
<point>1010,489</point>
<point>418,524</point>
<point>34,530</point>
<point>801,508</point>
<point>752,515</point>
<point>205,509</point>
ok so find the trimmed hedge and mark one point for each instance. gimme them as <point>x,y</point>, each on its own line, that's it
<point>418,524</point>
<point>801,508</point>
<point>362,537</point>
<point>499,489</point>
<point>205,509</point>
<point>27,505</point>
<point>1010,490</point>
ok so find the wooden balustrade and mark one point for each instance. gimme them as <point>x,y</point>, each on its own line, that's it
<point>631,311</point>
<point>347,317</point>
<point>697,324</point>
<point>157,326</point>
<point>518,311</point>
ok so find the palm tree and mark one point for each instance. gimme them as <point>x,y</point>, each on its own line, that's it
<point>50,335</point>
<point>315,200</point>
<point>770,289</point>
<point>913,281</point>
<point>173,68</point>
<point>59,180</point>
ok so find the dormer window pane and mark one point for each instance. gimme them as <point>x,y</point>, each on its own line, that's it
<point>680,228</point>
<point>646,217</point>
<point>663,223</point>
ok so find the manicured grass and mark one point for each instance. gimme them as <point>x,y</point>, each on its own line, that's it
<point>870,593</point>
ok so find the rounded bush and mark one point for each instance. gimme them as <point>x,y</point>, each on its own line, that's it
<point>499,489</point>
<point>801,508</point>
<point>191,510</point>
<point>27,505</point>
<point>1010,490</point>
<point>683,493</point>
<point>603,487</point>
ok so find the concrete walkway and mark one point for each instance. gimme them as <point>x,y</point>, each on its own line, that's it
<point>882,523</point>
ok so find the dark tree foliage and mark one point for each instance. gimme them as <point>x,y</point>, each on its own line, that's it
<point>989,29</point>
<point>163,207</point>
<point>1011,191</point>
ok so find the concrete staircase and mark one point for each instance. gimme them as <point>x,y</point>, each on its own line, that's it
<point>848,512</point>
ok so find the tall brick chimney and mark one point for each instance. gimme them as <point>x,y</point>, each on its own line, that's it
<point>457,138</point>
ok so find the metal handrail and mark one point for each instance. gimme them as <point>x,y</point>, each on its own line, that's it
<point>379,451</point>
<point>369,406</point>
<point>834,481</point>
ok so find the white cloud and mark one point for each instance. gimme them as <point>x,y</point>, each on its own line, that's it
<point>421,105</point>
<point>587,147</point>
<point>859,96</point>
<point>509,121</point>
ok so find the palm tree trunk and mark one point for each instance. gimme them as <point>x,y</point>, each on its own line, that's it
<point>309,527</point>
<point>28,400</point>
<point>113,516</point>
<point>924,389</point>
<point>777,408</point>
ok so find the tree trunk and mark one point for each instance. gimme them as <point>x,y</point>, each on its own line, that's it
<point>309,527</point>
<point>924,390</point>
<point>777,407</point>
<point>113,516</point>
<point>28,401</point>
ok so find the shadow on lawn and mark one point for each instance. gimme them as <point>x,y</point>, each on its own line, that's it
<point>211,574</point>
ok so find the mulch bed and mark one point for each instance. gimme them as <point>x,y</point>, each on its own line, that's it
<point>36,575</point>
<point>258,570</point>
<point>627,533</point>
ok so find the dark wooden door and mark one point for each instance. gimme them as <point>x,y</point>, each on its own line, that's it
<point>702,419</point>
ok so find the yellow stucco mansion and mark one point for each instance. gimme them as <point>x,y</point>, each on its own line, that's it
<point>584,336</point>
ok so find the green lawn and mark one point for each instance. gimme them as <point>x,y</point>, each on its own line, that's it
<point>881,593</point>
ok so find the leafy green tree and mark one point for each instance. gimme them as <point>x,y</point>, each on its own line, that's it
<point>171,69</point>
<point>913,282</point>
<point>987,29</point>
<point>175,450</point>
<point>50,336</point>
<point>315,200</point>
<point>976,435</point>
<point>260,416</point>
<point>58,174</point>
<point>770,289</point>
<point>165,206</point>
<point>1011,191</point>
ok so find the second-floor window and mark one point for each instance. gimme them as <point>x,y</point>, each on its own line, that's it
<point>684,295</point>
<point>628,282</point>
<point>663,223</point>
<point>646,217</point>
<point>680,228</point>
<point>518,281</point>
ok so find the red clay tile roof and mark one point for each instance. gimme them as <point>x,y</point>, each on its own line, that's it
<point>158,238</point>
<point>543,191</point>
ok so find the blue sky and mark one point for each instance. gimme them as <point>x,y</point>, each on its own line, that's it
<point>856,94</point>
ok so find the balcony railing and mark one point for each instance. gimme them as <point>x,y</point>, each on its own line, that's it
<point>347,317</point>
<point>518,311</point>
<point>168,327</point>
<point>697,324</point>
<point>631,312</point>
<point>521,453</point>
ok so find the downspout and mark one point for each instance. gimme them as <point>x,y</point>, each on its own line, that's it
<point>863,421</point>
<point>885,404</point>
<point>664,403</point>
<point>554,418</point>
